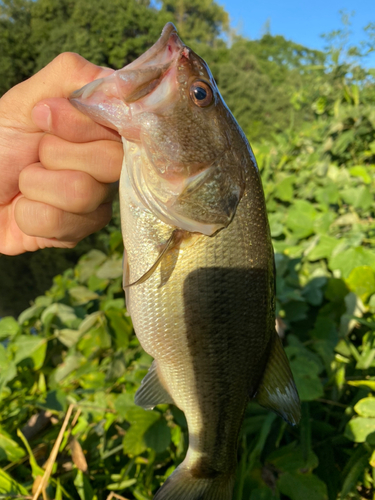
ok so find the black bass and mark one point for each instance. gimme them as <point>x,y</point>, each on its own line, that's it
<point>199,266</point>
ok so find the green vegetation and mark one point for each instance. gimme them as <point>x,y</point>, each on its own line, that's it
<point>312,116</point>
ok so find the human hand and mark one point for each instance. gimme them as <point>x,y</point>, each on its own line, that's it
<point>58,169</point>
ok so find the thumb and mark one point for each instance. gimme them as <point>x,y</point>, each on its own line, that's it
<point>66,73</point>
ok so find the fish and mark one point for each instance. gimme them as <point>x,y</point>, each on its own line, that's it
<point>199,272</point>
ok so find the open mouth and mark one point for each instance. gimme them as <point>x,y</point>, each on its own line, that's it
<point>138,78</point>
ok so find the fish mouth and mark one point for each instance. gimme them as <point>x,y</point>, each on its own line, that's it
<point>102,98</point>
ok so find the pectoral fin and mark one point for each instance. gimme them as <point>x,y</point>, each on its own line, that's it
<point>175,238</point>
<point>277,390</point>
<point>152,391</point>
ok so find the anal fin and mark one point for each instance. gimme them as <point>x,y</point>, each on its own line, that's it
<point>152,391</point>
<point>277,390</point>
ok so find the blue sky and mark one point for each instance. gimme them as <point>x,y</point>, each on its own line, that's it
<point>301,21</point>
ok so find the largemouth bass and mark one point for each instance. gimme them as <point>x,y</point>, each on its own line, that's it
<point>199,266</point>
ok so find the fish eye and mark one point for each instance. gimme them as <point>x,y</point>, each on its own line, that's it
<point>201,94</point>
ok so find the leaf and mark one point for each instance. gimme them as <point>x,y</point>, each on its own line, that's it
<point>284,188</point>
<point>36,470</point>
<point>342,142</point>
<point>291,459</point>
<point>9,449</point>
<point>68,337</point>
<point>158,436</point>
<point>81,295</point>
<point>363,383</point>
<point>301,218</point>
<point>351,258</point>
<point>361,281</point>
<point>141,420</point>
<point>30,350</point>
<point>324,248</point>
<point>359,428</point>
<point>365,407</point>
<point>121,326</point>
<point>8,327</point>
<point>111,269</point>
<point>302,486</point>
<point>56,400</point>
<point>360,171</point>
<point>88,263</point>
<point>358,197</point>
<point>30,313</point>
<point>9,486</point>
<point>352,476</point>
<point>65,313</point>
<point>121,485</point>
<point>308,383</point>
<point>83,486</point>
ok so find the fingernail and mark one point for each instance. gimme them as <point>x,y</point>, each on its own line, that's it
<point>41,116</point>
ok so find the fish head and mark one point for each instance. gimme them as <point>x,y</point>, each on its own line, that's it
<point>184,152</point>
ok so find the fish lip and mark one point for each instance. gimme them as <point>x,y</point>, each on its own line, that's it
<point>168,38</point>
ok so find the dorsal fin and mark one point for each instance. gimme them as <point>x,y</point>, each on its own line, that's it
<point>175,238</point>
<point>277,390</point>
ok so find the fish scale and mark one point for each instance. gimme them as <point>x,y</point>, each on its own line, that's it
<point>199,266</point>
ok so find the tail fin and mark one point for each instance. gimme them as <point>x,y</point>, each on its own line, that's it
<point>183,485</point>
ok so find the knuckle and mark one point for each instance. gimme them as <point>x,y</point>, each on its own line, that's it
<point>67,60</point>
<point>78,192</point>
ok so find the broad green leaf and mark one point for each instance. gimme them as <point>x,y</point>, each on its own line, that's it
<point>361,281</point>
<point>328,195</point>
<point>324,248</point>
<point>158,436</point>
<point>302,486</point>
<point>141,420</point>
<point>301,218</point>
<point>31,350</point>
<point>56,400</point>
<point>359,428</point>
<point>305,373</point>
<point>83,486</point>
<point>32,312</point>
<point>365,407</point>
<point>8,327</point>
<point>9,486</point>
<point>347,260</point>
<point>284,189</point>
<point>121,326</point>
<point>112,268</point>
<point>9,449</point>
<point>88,264</point>
<point>96,338</point>
<point>68,337</point>
<point>358,197</point>
<point>362,172</point>
<point>81,295</point>
<point>65,313</point>
<point>291,459</point>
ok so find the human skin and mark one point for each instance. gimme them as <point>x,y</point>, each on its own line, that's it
<point>58,169</point>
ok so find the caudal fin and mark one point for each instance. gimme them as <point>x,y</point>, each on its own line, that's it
<point>183,485</point>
